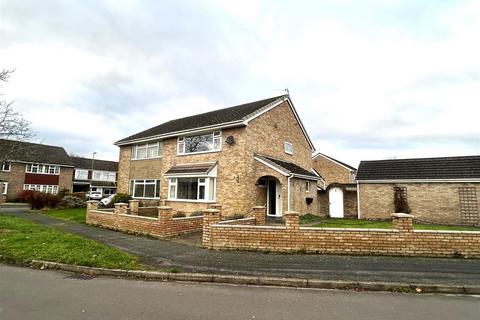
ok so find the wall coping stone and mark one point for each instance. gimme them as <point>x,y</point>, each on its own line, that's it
<point>402,215</point>
<point>104,212</point>
<point>230,221</point>
<point>246,226</point>
<point>93,201</point>
<point>448,231</point>
<point>118,204</point>
<point>140,217</point>
<point>187,218</point>
<point>348,229</point>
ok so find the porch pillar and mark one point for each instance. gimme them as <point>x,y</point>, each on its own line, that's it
<point>260,213</point>
<point>134,204</point>
<point>210,217</point>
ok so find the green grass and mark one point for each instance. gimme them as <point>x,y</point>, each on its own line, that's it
<point>309,218</point>
<point>77,214</point>
<point>355,223</point>
<point>22,241</point>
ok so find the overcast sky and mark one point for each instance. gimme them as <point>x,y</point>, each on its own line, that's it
<point>370,79</point>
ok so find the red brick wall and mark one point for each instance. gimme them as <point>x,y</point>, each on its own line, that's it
<point>163,227</point>
<point>400,241</point>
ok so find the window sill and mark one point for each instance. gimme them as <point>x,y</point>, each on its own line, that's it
<point>160,157</point>
<point>192,201</point>
<point>145,198</point>
<point>201,152</point>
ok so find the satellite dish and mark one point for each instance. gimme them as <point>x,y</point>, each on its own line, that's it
<point>230,140</point>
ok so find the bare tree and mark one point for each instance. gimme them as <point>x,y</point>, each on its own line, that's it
<point>13,127</point>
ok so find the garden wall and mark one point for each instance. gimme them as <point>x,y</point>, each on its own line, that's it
<point>402,240</point>
<point>125,218</point>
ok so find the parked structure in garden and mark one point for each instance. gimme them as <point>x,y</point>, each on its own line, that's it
<point>436,190</point>
<point>95,175</point>
<point>254,154</point>
<point>35,167</point>
<point>337,195</point>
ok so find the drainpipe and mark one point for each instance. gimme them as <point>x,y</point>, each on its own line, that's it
<point>358,201</point>
<point>288,188</point>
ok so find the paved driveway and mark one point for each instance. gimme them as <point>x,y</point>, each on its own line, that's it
<point>162,253</point>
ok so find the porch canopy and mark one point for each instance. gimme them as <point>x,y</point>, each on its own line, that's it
<point>287,168</point>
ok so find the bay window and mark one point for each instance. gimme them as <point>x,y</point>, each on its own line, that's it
<point>145,189</point>
<point>200,143</point>
<point>147,151</point>
<point>192,188</point>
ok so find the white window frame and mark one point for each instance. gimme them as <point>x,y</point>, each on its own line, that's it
<point>3,165</point>
<point>109,176</point>
<point>4,188</point>
<point>216,136</point>
<point>52,189</point>
<point>80,177</point>
<point>42,168</point>
<point>207,184</point>
<point>144,182</point>
<point>307,186</point>
<point>147,146</point>
<point>288,145</point>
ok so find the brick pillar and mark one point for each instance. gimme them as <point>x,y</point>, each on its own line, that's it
<point>165,214</point>
<point>163,203</point>
<point>292,220</point>
<point>402,222</point>
<point>260,215</point>
<point>133,204</point>
<point>210,217</point>
<point>121,208</point>
<point>92,205</point>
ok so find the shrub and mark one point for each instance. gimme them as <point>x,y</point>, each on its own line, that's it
<point>39,200</point>
<point>73,202</point>
<point>81,195</point>
<point>179,214</point>
<point>196,214</point>
<point>400,200</point>
<point>119,197</point>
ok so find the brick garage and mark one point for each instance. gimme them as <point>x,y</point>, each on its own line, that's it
<point>436,190</point>
<point>402,240</point>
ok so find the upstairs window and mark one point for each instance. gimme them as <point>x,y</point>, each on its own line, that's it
<point>81,174</point>
<point>147,151</point>
<point>104,176</point>
<point>288,147</point>
<point>200,143</point>
<point>42,169</point>
<point>5,167</point>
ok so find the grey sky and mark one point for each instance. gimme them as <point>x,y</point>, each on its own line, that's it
<point>370,79</point>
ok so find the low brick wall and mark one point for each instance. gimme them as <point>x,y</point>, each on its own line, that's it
<point>162,227</point>
<point>402,240</point>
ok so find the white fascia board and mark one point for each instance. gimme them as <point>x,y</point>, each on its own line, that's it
<point>301,176</point>
<point>267,108</point>
<point>183,132</point>
<point>277,103</point>
<point>285,173</point>
<point>419,181</point>
<point>332,160</point>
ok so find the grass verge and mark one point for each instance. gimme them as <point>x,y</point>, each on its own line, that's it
<point>77,214</point>
<point>22,241</point>
<point>355,223</point>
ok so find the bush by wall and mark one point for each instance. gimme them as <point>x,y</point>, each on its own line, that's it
<point>119,197</point>
<point>73,202</point>
<point>39,200</point>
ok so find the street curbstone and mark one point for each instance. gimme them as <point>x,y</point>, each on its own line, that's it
<point>233,279</point>
<point>332,284</point>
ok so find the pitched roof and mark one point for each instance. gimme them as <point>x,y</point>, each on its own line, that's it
<point>86,163</point>
<point>35,152</point>
<point>288,167</point>
<point>191,168</point>
<point>216,117</point>
<point>467,167</point>
<point>335,160</point>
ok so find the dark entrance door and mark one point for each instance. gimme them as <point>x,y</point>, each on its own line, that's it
<point>272,197</point>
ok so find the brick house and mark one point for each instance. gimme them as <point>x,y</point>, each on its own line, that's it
<point>35,167</point>
<point>257,153</point>
<point>95,175</point>
<point>436,190</point>
<point>337,196</point>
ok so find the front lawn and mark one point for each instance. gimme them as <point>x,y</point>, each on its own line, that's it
<point>22,241</point>
<point>355,223</point>
<point>77,214</point>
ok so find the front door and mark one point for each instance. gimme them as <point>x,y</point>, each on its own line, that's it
<point>335,197</point>
<point>274,197</point>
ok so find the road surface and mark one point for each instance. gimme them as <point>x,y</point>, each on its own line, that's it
<point>36,294</point>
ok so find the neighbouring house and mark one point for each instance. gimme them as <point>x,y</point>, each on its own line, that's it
<point>95,175</point>
<point>35,167</point>
<point>253,154</point>
<point>337,195</point>
<point>435,190</point>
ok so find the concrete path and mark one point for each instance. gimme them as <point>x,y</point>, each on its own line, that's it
<point>162,254</point>
<point>35,294</point>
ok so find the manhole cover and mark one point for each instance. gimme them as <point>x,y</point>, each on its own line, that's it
<point>80,276</point>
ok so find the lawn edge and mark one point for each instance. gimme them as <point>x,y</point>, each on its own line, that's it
<point>261,280</point>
